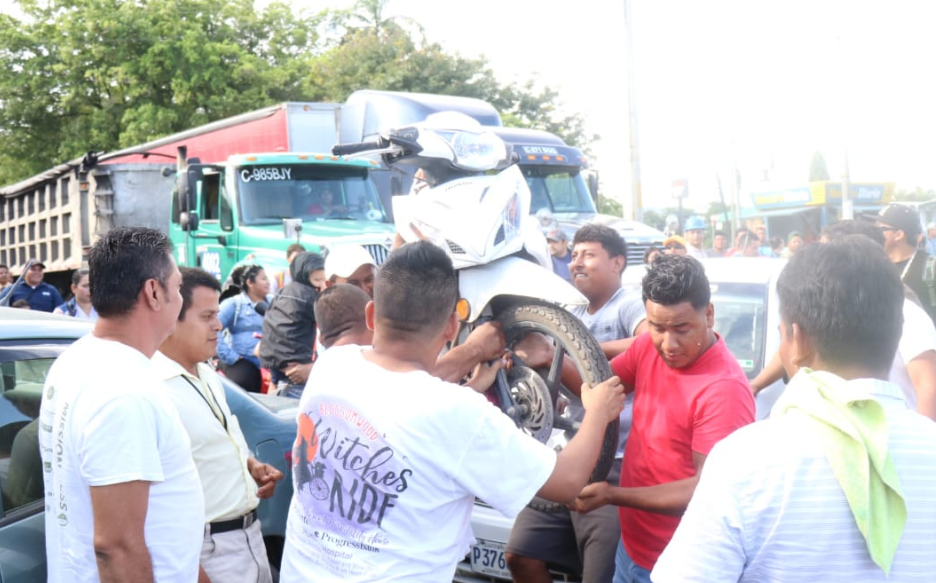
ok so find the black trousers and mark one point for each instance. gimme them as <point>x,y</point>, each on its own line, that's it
<point>244,373</point>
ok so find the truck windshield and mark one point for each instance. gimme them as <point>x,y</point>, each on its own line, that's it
<point>559,189</point>
<point>269,193</point>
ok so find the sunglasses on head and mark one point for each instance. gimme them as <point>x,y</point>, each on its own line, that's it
<point>675,246</point>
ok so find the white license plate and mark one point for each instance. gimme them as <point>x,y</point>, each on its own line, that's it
<point>487,557</point>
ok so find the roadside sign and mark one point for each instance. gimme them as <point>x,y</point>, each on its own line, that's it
<point>680,188</point>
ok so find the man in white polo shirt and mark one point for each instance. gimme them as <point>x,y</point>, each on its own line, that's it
<point>232,480</point>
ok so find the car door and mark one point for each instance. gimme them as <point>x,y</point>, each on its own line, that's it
<point>24,366</point>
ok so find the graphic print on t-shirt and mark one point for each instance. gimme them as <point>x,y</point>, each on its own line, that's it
<point>348,480</point>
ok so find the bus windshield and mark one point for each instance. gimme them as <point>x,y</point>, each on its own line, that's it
<point>269,193</point>
<point>559,189</point>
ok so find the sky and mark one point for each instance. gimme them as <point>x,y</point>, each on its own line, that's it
<point>754,84</point>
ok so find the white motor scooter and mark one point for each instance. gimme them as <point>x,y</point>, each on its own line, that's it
<point>482,219</point>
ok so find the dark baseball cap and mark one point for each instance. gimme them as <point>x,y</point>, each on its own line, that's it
<point>37,262</point>
<point>557,235</point>
<point>903,217</point>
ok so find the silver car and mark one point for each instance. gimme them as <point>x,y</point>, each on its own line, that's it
<point>29,344</point>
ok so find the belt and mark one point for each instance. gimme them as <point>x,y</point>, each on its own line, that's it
<point>233,524</point>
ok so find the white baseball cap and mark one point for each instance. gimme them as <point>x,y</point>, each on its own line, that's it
<point>344,260</point>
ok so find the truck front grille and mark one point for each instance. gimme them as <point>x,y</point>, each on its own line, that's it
<point>635,251</point>
<point>378,252</point>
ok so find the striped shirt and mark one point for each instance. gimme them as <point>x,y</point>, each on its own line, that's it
<point>768,507</point>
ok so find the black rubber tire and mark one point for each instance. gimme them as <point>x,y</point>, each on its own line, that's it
<point>567,331</point>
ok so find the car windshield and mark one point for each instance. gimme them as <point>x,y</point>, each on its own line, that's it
<point>741,320</point>
<point>270,193</point>
<point>559,189</point>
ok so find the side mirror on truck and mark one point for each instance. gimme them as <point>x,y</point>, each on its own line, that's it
<point>593,186</point>
<point>189,221</point>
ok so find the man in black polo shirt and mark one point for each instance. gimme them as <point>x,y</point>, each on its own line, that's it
<point>39,294</point>
<point>902,233</point>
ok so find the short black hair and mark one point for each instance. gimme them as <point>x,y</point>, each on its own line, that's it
<point>193,277</point>
<point>843,228</point>
<point>610,240</point>
<point>121,261</point>
<point>245,273</point>
<point>674,279</point>
<point>722,233</point>
<point>2,266</point>
<point>340,308</point>
<point>650,250</point>
<point>415,291</point>
<point>847,297</point>
<point>77,275</point>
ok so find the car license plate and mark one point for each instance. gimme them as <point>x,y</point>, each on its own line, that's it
<point>487,557</point>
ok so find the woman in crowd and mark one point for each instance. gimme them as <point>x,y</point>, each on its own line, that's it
<point>242,324</point>
<point>79,306</point>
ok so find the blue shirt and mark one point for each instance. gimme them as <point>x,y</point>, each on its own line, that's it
<point>561,266</point>
<point>43,297</point>
<point>240,321</point>
<point>931,246</point>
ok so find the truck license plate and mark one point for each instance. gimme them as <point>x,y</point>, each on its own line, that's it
<point>487,557</point>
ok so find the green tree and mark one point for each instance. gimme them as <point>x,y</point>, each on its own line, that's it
<point>92,75</point>
<point>610,206</point>
<point>916,195</point>
<point>80,75</point>
<point>817,167</point>
<point>655,219</point>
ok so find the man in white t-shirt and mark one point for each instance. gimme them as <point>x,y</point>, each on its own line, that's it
<point>389,459</point>
<point>233,481</point>
<point>123,499</point>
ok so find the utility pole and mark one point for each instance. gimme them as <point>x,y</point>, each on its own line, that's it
<point>636,210</point>
<point>848,210</point>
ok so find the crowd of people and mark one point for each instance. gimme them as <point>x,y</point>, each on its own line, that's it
<point>153,479</point>
<point>747,243</point>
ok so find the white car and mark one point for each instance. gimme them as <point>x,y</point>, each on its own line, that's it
<point>746,317</point>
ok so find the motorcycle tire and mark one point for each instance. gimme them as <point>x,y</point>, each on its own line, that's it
<point>569,334</point>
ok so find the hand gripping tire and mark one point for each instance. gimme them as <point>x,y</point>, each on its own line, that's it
<point>574,340</point>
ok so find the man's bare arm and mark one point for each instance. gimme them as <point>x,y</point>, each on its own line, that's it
<point>486,342</point>
<point>671,498</point>
<point>771,373</point>
<point>614,347</point>
<point>119,542</point>
<point>575,462</point>
<point>922,373</point>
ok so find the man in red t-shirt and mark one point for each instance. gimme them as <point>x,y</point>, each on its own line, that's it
<point>689,393</point>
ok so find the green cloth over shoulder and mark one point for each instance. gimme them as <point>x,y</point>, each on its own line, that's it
<point>852,429</point>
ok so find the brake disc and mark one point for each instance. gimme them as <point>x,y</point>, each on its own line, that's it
<point>533,402</point>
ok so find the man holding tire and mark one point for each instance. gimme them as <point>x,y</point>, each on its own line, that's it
<point>689,393</point>
<point>584,543</point>
<point>388,458</point>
